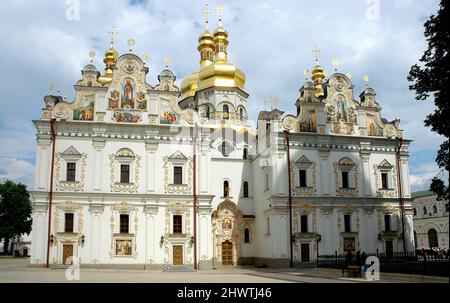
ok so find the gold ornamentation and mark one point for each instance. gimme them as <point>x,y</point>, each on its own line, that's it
<point>305,191</point>
<point>289,123</point>
<point>124,187</point>
<point>346,192</point>
<point>177,188</point>
<point>385,193</point>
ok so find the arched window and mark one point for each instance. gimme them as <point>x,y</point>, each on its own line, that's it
<point>226,189</point>
<point>446,207</point>
<point>434,209</point>
<point>425,210</point>
<point>415,240</point>
<point>246,236</point>
<point>245,189</point>
<point>225,149</point>
<point>207,113</point>
<point>241,114</point>
<point>226,111</point>
<point>432,238</point>
<point>415,211</point>
<point>245,154</point>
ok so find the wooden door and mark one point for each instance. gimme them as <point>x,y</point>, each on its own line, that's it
<point>67,253</point>
<point>227,253</point>
<point>305,252</point>
<point>178,255</point>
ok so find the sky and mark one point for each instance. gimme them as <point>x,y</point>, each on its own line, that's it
<point>48,41</point>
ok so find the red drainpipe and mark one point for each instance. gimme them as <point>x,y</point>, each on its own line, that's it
<point>52,125</point>
<point>400,193</point>
<point>291,260</point>
<point>195,195</point>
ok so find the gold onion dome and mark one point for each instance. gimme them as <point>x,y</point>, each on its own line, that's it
<point>317,76</point>
<point>111,56</point>
<point>221,73</point>
<point>189,85</point>
<point>206,48</point>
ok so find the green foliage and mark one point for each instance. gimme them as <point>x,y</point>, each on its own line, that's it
<point>432,78</point>
<point>15,210</point>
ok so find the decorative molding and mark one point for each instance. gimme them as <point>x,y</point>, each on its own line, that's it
<point>346,192</point>
<point>177,188</point>
<point>124,187</point>
<point>62,185</point>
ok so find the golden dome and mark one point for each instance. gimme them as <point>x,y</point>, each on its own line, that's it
<point>317,76</point>
<point>189,86</point>
<point>206,48</point>
<point>110,59</point>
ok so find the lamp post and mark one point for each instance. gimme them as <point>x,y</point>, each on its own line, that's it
<point>318,239</point>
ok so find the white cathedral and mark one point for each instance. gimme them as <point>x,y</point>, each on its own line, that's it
<point>153,176</point>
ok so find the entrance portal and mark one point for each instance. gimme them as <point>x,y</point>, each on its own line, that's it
<point>227,253</point>
<point>178,255</point>
<point>305,252</point>
<point>67,253</point>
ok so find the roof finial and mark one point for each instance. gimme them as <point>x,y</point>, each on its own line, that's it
<point>316,50</point>
<point>112,33</point>
<point>206,13</point>
<point>220,9</point>
<point>366,80</point>
<point>167,60</point>
<point>335,63</point>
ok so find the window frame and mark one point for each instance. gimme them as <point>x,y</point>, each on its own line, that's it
<point>128,172</point>
<point>67,224</point>
<point>177,224</point>
<point>72,170</point>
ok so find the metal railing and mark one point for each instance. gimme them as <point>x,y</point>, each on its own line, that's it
<point>419,263</point>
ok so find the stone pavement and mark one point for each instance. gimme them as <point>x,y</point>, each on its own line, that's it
<point>17,270</point>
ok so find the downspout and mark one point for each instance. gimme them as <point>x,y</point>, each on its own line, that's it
<point>291,260</point>
<point>195,194</point>
<point>400,193</point>
<point>52,125</point>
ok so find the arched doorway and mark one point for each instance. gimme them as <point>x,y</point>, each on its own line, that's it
<point>432,238</point>
<point>227,253</point>
<point>228,231</point>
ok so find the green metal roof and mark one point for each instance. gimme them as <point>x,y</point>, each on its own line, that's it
<point>422,193</point>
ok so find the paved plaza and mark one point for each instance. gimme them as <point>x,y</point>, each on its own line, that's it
<point>14,270</point>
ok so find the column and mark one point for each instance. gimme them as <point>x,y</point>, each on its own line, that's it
<point>98,167</point>
<point>325,173</point>
<point>43,164</point>
<point>365,172</point>
<point>150,167</point>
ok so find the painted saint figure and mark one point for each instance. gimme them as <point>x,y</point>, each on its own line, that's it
<point>341,111</point>
<point>127,98</point>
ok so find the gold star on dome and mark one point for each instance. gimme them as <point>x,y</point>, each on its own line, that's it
<point>316,51</point>
<point>206,13</point>
<point>112,33</point>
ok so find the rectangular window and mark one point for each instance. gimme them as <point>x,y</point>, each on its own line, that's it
<point>177,224</point>
<point>345,179</point>
<point>267,181</point>
<point>68,222</point>
<point>304,224</point>
<point>267,226</point>
<point>302,177</point>
<point>71,169</point>
<point>177,175</point>
<point>124,173</point>
<point>246,235</point>
<point>387,222</point>
<point>124,224</point>
<point>347,223</point>
<point>384,180</point>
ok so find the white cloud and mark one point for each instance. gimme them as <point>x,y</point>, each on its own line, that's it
<point>270,41</point>
<point>17,170</point>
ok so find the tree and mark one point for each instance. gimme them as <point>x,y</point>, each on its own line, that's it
<point>15,211</point>
<point>433,77</point>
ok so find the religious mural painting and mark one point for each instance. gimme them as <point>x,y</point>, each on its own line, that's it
<point>125,115</point>
<point>128,93</point>
<point>114,99</point>
<point>310,122</point>
<point>372,128</point>
<point>85,111</point>
<point>123,247</point>
<point>167,114</point>
<point>349,244</point>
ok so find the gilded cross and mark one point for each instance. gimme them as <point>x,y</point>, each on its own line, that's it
<point>220,9</point>
<point>167,60</point>
<point>206,13</point>
<point>112,33</point>
<point>316,50</point>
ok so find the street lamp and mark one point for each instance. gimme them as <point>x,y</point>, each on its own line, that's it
<point>82,239</point>
<point>52,239</point>
<point>162,240</point>
<point>318,239</point>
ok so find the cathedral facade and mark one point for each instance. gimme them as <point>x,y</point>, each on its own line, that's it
<point>154,176</point>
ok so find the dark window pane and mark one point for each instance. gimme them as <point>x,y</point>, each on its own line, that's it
<point>244,156</point>
<point>246,236</point>
<point>124,173</point>
<point>226,189</point>
<point>387,222</point>
<point>302,176</point>
<point>384,180</point>
<point>347,223</point>
<point>68,222</point>
<point>245,189</point>
<point>178,175</point>
<point>177,224</point>
<point>304,224</point>
<point>124,224</point>
<point>71,169</point>
<point>345,179</point>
